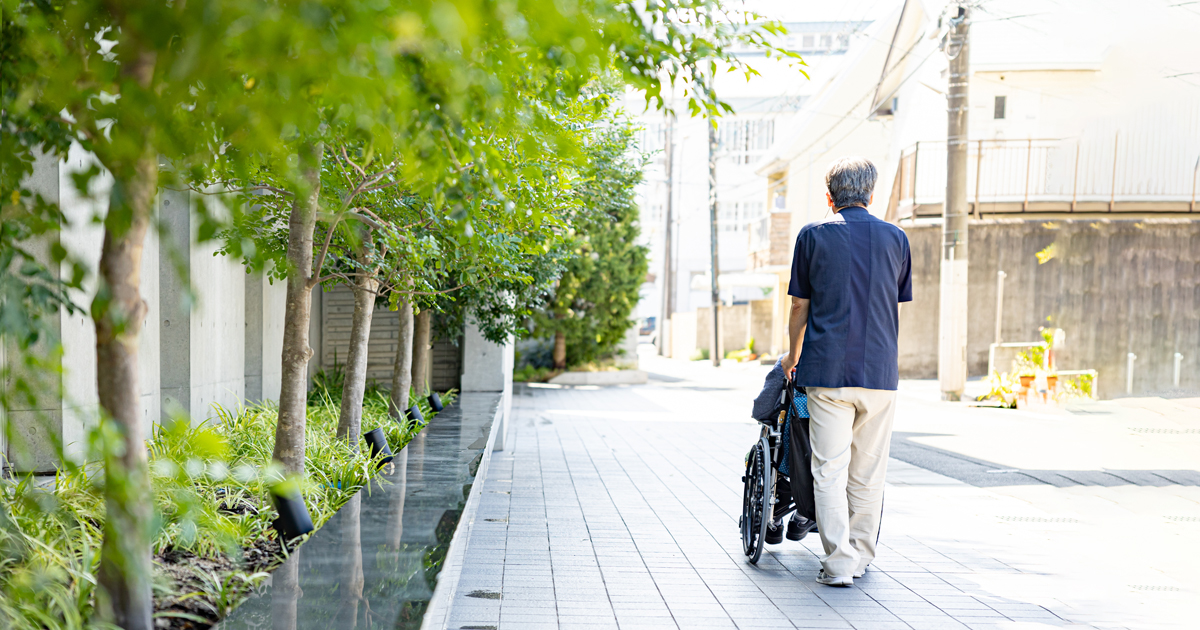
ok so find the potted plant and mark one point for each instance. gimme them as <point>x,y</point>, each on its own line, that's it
<point>1026,375</point>
<point>1052,379</point>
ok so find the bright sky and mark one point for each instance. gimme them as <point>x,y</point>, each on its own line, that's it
<point>821,10</point>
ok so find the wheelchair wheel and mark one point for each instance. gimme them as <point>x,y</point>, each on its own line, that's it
<point>756,501</point>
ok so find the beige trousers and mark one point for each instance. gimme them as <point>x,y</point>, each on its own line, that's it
<point>851,431</point>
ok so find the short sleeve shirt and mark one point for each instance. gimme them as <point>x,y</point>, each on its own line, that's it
<point>854,268</point>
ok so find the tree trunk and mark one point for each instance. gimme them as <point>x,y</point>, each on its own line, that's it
<point>422,332</point>
<point>395,533</point>
<point>402,371</point>
<point>118,312</point>
<point>285,591</point>
<point>355,385</point>
<point>351,579</point>
<point>560,350</point>
<point>293,390</point>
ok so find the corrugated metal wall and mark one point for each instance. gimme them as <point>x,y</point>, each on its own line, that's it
<point>337,308</point>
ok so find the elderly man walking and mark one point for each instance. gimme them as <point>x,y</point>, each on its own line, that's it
<point>849,274</point>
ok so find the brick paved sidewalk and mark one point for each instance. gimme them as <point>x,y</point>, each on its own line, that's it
<point>617,508</point>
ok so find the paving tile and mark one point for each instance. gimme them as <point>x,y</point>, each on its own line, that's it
<point>630,524</point>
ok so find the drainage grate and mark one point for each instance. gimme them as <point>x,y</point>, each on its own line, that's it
<point>496,520</point>
<point>1184,519</point>
<point>484,594</point>
<point>1151,587</point>
<point>1036,519</point>
<point>477,628</point>
<point>1165,431</point>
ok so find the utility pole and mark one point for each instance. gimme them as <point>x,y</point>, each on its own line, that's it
<point>952,316</point>
<point>668,291</point>
<point>714,235</point>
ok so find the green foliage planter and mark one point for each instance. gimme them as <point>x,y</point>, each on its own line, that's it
<point>214,541</point>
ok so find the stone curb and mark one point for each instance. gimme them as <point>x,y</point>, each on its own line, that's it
<point>437,615</point>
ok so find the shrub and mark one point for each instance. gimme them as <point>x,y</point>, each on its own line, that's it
<point>214,537</point>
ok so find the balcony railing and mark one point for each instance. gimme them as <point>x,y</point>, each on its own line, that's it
<point>1051,175</point>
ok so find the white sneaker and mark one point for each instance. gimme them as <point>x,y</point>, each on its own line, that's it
<point>860,573</point>
<point>834,581</point>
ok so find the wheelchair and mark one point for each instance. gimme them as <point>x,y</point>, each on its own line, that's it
<point>760,506</point>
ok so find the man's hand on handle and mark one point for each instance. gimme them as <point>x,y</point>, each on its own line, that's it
<point>789,365</point>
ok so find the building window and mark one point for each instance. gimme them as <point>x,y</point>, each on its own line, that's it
<point>809,42</point>
<point>827,41</point>
<point>1000,110</point>
<point>744,141</point>
<point>736,216</point>
<point>652,139</point>
<point>652,214</point>
<point>843,42</point>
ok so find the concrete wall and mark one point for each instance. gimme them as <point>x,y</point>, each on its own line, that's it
<point>67,420</point>
<point>735,327</point>
<point>265,304</point>
<point>683,335</point>
<point>1115,287</point>
<point>488,367</point>
<point>219,344</point>
<point>203,331</point>
<point>761,313</point>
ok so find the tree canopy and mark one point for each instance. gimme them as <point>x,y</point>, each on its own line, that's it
<point>439,144</point>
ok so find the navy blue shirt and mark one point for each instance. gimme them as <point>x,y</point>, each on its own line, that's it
<point>855,269</point>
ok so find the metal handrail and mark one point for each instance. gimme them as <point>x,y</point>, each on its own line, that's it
<point>1020,173</point>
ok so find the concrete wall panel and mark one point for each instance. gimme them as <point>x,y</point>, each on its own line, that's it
<point>274,304</point>
<point>1114,286</point>
<point>203,332</point>
<point>735,327</point>
<point>253,354</point>
<point>760,324</point>
<point>217,329</point>
<point>67,421</point>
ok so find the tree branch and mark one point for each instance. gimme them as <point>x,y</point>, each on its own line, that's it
<point>358,168</point>
<point>278,191</point>
<point>320,262</point>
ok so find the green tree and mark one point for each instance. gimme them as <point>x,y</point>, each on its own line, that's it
<point>252,95</point>
<point>588,314</point>
<point>135,86</point>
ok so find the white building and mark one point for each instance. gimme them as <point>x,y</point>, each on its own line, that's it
<point>763,104</point>
<point>1083,108</point>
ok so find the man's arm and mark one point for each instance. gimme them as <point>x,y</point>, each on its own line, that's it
<point>797,323</point>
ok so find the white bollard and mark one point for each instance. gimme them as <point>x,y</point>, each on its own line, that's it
<point>1130,358</point>
<point>1178,364</point>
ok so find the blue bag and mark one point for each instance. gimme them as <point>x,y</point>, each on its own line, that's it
<point>799,409</point>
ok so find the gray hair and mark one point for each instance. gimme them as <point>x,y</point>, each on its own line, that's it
<point>850,181</point>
